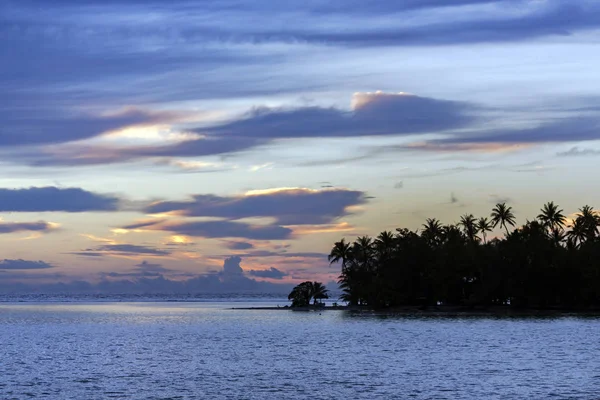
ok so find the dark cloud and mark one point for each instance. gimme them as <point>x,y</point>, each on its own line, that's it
<point>42,199</point>
<point>287,206</point>
<point>81,155</point>
<point>33,129</point>
<point>578,152</point>
<point>559,131</point>
<point>132,249</point>
<point>319,22</point>
<point>150,267</point>
<point>121,249</point>
<point>399,185</point>
<point>453,198</point>
<point>144,269</point>
<point>7,264</point>
<point>359,7</point>
<point>535,20</point>
<point>12,227</point>
<point>218,229</point>
<point>374,114</point>
<point>232,268</point>
<point>87,254</point>
<point>272,273</point>
<point>238,245</point>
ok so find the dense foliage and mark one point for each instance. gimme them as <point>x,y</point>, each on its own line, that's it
<point>549,262</point>
<point>303,293</point>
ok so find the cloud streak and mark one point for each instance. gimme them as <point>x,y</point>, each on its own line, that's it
<point>20,265</point>
<point>271,273</point>
<point>13,227</point>
<point>288,206</point>
<point>217,229</point>
<point>51,199</point>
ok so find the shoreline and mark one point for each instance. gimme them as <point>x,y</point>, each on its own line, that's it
<point>444,310</point>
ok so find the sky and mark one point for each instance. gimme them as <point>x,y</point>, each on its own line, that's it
<point>226,145</point>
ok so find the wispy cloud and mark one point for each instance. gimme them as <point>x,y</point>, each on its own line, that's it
<point>40,226</point>
<point>46,199</point>
<point>7,264</point>
<point>578,152</point>
<point>121,249</point>
<point>289,206</point>
<point>216,229</point>
<point>271,273</point>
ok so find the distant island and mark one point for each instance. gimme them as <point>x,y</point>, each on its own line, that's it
<point>549,263</point>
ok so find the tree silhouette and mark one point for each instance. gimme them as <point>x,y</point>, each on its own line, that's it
<point>432,230</point>
<point>340,252</point>
<point>551,217</point>
<point>469,225</point>
<point>484,225</point>
<point>502,215</point>
<point>302,294</point>
<point>539,265</point>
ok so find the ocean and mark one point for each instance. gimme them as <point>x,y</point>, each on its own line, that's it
<point>58,347</point>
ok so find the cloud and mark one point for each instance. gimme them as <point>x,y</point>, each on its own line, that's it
<point>232,245</point>
<point>289,206</point>
<point>372,114</point>
<point>81,155</point>
<point>578,152</point>
<point>569,129</point>
<point>399,185</point>
<point>453,199</point>
<point>121,249</point>
<point>231,267</point>
<point>144,269</point>
<point>132,249</point>
<point>7,264</point>
<point>88,254</point>
<point>40,226</point>
<point>150,267</point>
<point>46,199</point>
<point>272,273</point>
<point>432,22</point>
<point>23,128</point>
<point>217,229</point>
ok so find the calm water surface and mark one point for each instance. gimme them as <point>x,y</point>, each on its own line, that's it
<point>165,350</point>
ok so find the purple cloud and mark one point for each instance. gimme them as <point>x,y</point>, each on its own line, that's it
<point>218,229</point>
<point>12,227</point>
<point>272,273</point>
<point>7,264</point>
<point>287,206</point>
<point>46,199</point>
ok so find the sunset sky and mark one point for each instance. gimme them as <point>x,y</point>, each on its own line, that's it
<point>154,139</point>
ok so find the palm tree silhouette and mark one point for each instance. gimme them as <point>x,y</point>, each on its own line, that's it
<point>551,217</point>
<point>590,221</point>
<point>502,215</point>
<point>578,233</point>
<point>384,245</point>
<point>432,230</point>
<point>469,225</point>
<point>341,251</point>
<point>302,294</point>
<point>319,292</point>
<point>484,225</point>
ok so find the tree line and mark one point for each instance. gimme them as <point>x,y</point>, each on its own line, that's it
<point>549,262</point>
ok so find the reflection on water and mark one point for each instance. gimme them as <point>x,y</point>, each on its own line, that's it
<point>206,350</point>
